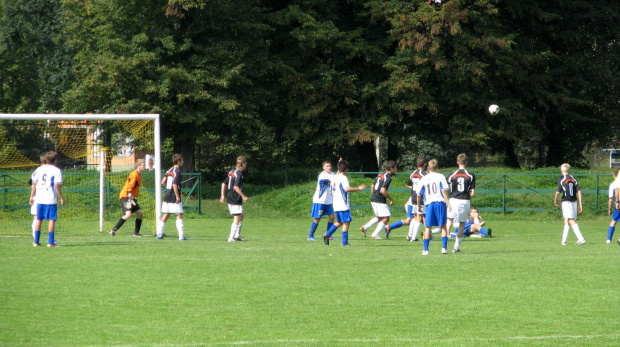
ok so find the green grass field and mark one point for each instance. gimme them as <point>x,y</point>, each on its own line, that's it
<point>520,288</point>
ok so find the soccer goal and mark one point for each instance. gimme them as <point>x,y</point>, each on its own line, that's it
<point>96,153</point>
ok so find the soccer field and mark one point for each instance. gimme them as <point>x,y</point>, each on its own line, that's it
<point>520,288</point>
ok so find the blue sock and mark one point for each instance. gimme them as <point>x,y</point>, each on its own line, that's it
<point>396,225</point>
<point>331,230</point>
<point>50,237</point>
<point>444,242</point>
<point>610,233</point>
<point>345,237</point>
<point>426,243</point>
<point>329,225</point>
<point>37,236</point>
<point>312,229</point>
<point>484,232</point>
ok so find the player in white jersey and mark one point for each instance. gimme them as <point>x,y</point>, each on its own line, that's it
<point>434,190</point>
<point>613,198</point>
<point>45,192</point>
<point>341,189</point>
<point>322,200</point>
<point>33,207</point>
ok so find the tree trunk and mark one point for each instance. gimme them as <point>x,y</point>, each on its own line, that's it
<point>185,148</point>
<point>511,159</point>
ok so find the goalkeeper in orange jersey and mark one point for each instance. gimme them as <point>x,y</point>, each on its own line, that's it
<point>129,204</point>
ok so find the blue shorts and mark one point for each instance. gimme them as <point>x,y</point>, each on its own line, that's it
<point>410,212</point>
<point>319,210</point>
<point>616,216</point>
<point>466,228</point>
<point>344,216</point>
<point>47,212</point>
<point>436,215</point>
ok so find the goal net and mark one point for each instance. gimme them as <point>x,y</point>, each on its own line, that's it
<point>96,154</point>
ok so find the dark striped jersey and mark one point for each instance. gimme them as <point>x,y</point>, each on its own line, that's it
<point>234,179</point>
<point>383,180</point>
<point>568,185</point>
<point>461,183</point>
<point>413,182</point>
<point>173,176</point>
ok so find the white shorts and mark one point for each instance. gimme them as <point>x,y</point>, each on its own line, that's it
<point>381,209</point>
<point>569,209</point>
<point>460,210</point>
<point>172,208</point>
<point>235,209</point>
<point>33,209</point>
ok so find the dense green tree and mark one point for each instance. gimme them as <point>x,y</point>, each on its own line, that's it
<point>35,60</point>
<point>194,62</point>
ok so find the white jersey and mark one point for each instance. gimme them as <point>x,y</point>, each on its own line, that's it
<point>323,192</point>
<point>340,184</point>
<point>431,187</point>
<point>45,177</point>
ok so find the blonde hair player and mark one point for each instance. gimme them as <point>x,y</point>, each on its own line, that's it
<point>232,192</point>
<point>571,203</point>
<point>434,190</point>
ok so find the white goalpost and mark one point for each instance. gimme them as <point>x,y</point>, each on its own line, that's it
<point>155,118</point>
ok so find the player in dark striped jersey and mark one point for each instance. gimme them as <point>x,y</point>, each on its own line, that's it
<point>379,198</point>
<point>462,188</point>
<point>232,192</point>
<point>571,203</point>
<point>410,207</point>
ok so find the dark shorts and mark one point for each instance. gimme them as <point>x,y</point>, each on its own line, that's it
<point>133,208</point>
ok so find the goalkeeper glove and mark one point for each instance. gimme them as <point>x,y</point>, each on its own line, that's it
<point>131,202</point>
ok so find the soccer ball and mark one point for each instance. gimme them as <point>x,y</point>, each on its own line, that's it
<point>494,109</point>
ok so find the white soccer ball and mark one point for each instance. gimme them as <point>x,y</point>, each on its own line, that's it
<point>494,109</point>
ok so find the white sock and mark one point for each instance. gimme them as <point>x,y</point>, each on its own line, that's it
<point>180,228</point>
<point>233,232</point>
<point>577,232</point>
<point>457,243</point>
<point>238,233</point>
<point>370,223</point>
<point>565,233</point>
<point>378,229</point>
<point>160,228</point>
<point>411,229</point>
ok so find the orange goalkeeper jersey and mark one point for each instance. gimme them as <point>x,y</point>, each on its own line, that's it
<point>132,185</point>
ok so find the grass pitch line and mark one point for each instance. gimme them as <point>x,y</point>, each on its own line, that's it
<point>413,340</point>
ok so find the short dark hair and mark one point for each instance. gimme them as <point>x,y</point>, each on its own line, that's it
<point>343,165</point>
<point>390,165</point>
<point>421,162</point>
<point>176,158</point>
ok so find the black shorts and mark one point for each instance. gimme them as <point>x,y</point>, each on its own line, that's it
<point>133,209</point>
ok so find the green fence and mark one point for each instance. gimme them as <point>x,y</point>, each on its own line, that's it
<point>502,193</point>
<point>81,190</point>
